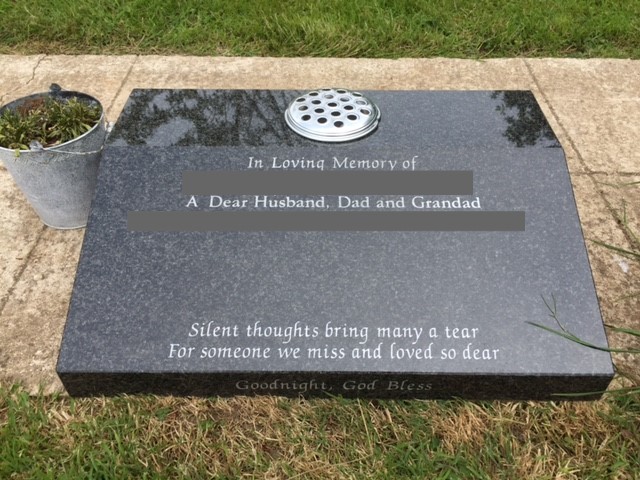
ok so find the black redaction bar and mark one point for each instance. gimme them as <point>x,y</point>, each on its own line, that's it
<point>327,183</point>
<point>181,221</point>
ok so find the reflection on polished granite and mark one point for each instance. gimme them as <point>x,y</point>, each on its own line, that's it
<point>163,118</point>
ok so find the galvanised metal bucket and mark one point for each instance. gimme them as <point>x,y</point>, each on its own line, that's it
<point>59,181</point>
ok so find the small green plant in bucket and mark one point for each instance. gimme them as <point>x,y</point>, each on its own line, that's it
<point>47,121</point>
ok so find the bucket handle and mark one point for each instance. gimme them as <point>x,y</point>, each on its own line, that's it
<point>36,146</point>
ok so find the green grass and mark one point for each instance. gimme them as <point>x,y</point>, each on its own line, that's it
<point>358,28</point>
<point>165,437</point>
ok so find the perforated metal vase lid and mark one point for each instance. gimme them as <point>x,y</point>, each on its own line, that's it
<point>332,115</point>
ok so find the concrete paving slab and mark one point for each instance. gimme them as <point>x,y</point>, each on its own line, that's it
<point>604,132</point>
<point>33,317</point>
<point>574,161</point>
<point>16,72</point>
<point>602,199</point>
<point>622,194</point>
<point>592,78</point>
<point>595,103</point>
<point>598,204</point>
<point>21,229</point>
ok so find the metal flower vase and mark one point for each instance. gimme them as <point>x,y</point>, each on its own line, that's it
<point>59,181</point>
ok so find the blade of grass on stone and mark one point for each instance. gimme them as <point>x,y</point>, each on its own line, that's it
<point>575,339</point>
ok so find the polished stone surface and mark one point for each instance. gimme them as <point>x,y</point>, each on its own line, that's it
<point>255,118</point>
<point>430,314</point>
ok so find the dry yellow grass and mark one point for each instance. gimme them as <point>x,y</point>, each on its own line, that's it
<point>272,437</point>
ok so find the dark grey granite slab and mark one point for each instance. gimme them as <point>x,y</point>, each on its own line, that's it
<point>197,307</point>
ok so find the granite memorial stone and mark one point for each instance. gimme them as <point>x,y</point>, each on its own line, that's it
<point>227,254</point>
